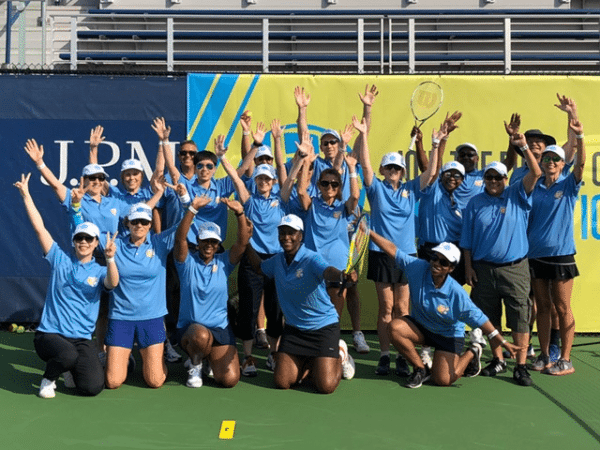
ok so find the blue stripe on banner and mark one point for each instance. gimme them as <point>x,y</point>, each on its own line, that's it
<point>241,109</point>
<point>198,86</point>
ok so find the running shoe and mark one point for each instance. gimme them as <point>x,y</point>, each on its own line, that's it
<point>69,381</point>
<point>542,362</point>
<point>530,352</point>
<point>248,367</point>
<point>47,388</point>
<point>383,366</point>
<point>560,367</point>
<point>171,356</point>
<point>402,369</point>
<point>494,367</point>
<point>348,367</point>
<point>521,375</point>
<point>360,344</point>
<point>426,356</point>
<point>418,377</point>
<point>194,376</point>
<point>554,353</point>
<point>270,362</point>
<point>474,367</point>
<point>260,339</point>
<point>476,337</point>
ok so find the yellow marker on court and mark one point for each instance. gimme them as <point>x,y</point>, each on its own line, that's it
<point>227,429</point>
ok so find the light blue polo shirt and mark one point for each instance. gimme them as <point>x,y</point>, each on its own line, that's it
<point>204,290</point>
<point>265,214</point>
<point>470,187</point>
<point>495,228</point>
<point>141,196</point>
<point>251,185</point>
<point>443,311</point>
<point>519,173</point>
<point>141,293</point>
<point>550,230</point>
<point>293,205</point>
<point>393,212</point>
<point>301,289</point>
<point>215,211</point>
<point>440,215</point>
<point>73,296</point>
<point>106,215</point>
<point>326,231</point>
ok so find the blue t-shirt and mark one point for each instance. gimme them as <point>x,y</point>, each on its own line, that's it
<point>204,290</point>
<point>440,215</point>
<point>470,186</point>
<point>519,173</point>
<point>265,214</point>
<point>443,311</point>
<point>73,296</point>
<point>393,212</point>
<point>106,215</point>
<point>141,293</point>
<point>550,229</point>
<point>141,196</point>
<point>301,289</point>
<point>495,228</point>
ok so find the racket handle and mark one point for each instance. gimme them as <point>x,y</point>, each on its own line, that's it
<point>412,143</point>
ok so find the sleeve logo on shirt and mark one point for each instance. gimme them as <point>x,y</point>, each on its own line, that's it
<point>443,309</point>
<point>558,195</point>
<point>150,253</point>
<point>113,211</point>
<point>92,281</point>
<point>299,273</point>
<point>503,210</point>
<point>405,194</point>
<point>478,183</point>
<point>215,268</point>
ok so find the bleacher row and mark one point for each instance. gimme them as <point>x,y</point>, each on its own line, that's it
<point>502,41</point>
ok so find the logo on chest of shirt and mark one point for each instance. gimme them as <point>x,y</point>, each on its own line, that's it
<point>503,210</point>
<point>215,268</point>
<point>405,194</point>
<point>92,281</point>
<point>478,183</point>
<point>274,203</point>
<point>458,213</point>
<point>558,195</point>
<point>150,253</point>
<point>337,214</point>
<point>113,211</point>
<point>443,309</point>
<point>299,273</point>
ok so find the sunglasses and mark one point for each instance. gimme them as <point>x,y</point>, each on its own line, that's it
<point>443,261</point>
<point>326,143</point>
<point>187,153</point>
<point>139,222</point>
<point>83,237</point>
<point>455,175</point>
<point>395,167</point>
<point>493,178</point>
<point>333,184</point>
<point>212,242</point>
<point>96,177</point>
<point>555,159</point>
<point>208,166</point>
<point>467,155</point>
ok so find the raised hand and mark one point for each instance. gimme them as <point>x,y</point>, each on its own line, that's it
<point>96,136</point>
<point>360,125</point>
<point>259,134</point>
<point>346,136</point>
<point>302,98</point>
<point>305,149</point>
<point>246,121</point>
<point>567,105</point>
<point>158,183</point>
<point>220,148</point>
<point>110,249</point>
<point>35,152</point>
<point>351,161</point>
<point>233,205</point>
<point>368,98</point>
<point>160,127</point>
<point>441,133</point>
<point>23,185</point>
<point>276,129</point>
<point>450,121</point>
<point>201,201</point>
<point>576,126</point>
<point>79,192</point>
<point>518,140</point>
<point>513,126</point>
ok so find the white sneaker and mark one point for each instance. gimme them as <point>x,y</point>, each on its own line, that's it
<point>270,362</point>
<point>194,376</point>
<point>170,354</point>
<point>348,368</point>
<point>360,345</point>
<point>426,356</point>
<point>47,388</point>
<point>69,381</point>
<point>476,337</point>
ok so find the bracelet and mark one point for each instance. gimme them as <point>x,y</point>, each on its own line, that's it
<point>493,334</point>
<point>353,175</point>
<point>579,136</point>
<point>193,210</point>
<point>110,260</point>
<point>239,214</point>
<point>525,147</point>
<point>164,142</point>
<point>245,133</point>
<point>185,198</point>
<point>257,144</point>
<point>435,141</point>
<point>41,166</point>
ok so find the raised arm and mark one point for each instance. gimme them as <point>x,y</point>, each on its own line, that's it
<point>278,146</point>
<point>35,218</point>
<point>163,132</point>
<point>577,129</point>
<point>112,273</point>
<point>535,172</point>
<point>363,150</point>
<point>422,160</point>
<point>95,139</point>
<point>303,182</point>
<point>339,159</point>
<point>511,129</point>
<point>367,99</point>
<point>352,201</point>
<point>239,185</point>
<point>567,105</point>
<point>36,153</point>
<point>302,101</point>
<point>180,250</point>
<point>158,185</point>
<point>427,177</point>
<point>246,124</point>
<point>247,166</point>
<point>297,163</point>
<point>449,126</point>
<point>244,227</point>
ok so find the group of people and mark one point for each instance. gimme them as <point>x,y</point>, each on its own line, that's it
<point>149,267</point>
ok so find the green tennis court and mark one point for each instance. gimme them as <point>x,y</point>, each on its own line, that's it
<point>368,412</point>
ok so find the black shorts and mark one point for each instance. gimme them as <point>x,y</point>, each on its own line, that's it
<point>439,342</point>
<point>221,336</point>
<point>554,268</point>
<point>383,269</point>
<point>322,342</point>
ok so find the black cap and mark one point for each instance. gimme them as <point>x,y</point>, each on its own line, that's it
<point>549,140</point>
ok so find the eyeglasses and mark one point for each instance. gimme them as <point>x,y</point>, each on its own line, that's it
<point>555,159</point>
<point>83,237</point>
<point>331,142</point>
<point>455,175</point>
<point>143,222</point>
<point>96,177</point>
<point>187,153</point>
<point>333,184</point>
<point>395,167</point>
<point>493,178</point>
<point>443,261</point>
<point>208,166</point>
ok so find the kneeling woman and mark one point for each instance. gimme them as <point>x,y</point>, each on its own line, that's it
<point>310,343</point>
<point>63,338</point>
<point>203,328</point>
<point>439,309</point>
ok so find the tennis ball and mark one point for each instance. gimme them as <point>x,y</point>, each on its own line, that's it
<point>13,328</point>
<point>20,329</point>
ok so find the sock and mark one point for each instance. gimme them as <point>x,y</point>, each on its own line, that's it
<point>555,337</point>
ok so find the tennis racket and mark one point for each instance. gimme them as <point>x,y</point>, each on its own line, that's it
<point>359,242</point>
<point>424,103</point>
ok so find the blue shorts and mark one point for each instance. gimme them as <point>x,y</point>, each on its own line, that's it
<point>221,336</point>
<point>123,333</point>
<point>437,341</point>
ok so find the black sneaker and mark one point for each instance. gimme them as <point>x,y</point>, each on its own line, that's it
<point>383,367</point>
<point>521,376</point>
<point>402,369</point>
<point>417,378</point>
<point>494,368</point>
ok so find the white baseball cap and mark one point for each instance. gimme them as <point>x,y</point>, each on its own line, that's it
<point>132,164</point>
<point>332,132</point>
<point>449,250</point>
<point>555,149</point>
<point>467,145</point>
<point>209,230</point>
<point>93,169</point>
<point>140,211</point>
<point>393,158</point>
<point>86,228</point>
<point>264,150</point>
<point>498,167</point>
<point>292,221</point>
<point>453,165</point>
<point>264,169</point>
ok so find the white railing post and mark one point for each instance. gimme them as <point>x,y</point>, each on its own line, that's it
<point>73,43</point>
<point>411,45</point>
<point>170,44</point>
<point>390,53</point>
<point>361,45</point>
<point>507,46</point>
<point>265,45</point>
